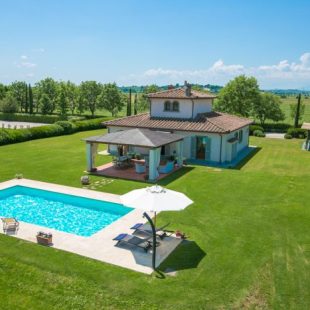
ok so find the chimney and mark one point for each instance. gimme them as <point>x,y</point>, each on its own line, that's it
<point>188,89</point>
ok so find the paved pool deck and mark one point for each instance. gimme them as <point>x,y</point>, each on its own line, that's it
<point>100,245</point>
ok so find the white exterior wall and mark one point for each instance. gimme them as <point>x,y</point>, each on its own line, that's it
<point>185,107</point>
<point>215,143</point>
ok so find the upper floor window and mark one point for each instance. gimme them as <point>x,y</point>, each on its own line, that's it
<point>175,106</point>
<point>167,106</point>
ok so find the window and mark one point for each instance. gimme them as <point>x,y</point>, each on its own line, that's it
<point>167,106</point>
<point>240,136</point>
<point>175,106</point>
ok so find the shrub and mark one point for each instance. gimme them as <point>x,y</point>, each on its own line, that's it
<point>8,136</point>
<point>297,133</point>
<point>287,136</point>
<point>258,133</point>
<point>255,127</point>
<point>90,124</point>
<point>276,127</point>
<point>9,104</point>
<point>67,126</point>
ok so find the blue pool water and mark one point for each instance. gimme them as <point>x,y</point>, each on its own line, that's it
<point>68,213</point>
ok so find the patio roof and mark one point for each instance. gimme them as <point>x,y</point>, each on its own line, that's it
<point>306,126</point>
<point>137,137</point>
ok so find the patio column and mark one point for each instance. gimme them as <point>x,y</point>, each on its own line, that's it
<point>179,149</point>
<point>154,161</point>
<point>91,150</point>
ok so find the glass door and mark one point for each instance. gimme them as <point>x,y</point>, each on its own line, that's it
<point>200,147</point>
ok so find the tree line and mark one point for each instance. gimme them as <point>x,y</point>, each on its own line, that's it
<point>49,97</point>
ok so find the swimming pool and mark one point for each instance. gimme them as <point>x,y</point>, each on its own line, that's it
<point>68,213</point>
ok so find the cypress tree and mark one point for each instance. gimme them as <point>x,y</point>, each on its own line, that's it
<point>129,103</point>
<point>26,98</point>
<point>30,99</point>
<point>136,104</point>
<point>297,111</point>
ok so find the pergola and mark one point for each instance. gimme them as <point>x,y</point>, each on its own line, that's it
<point>306,145</point>
<point>145,138</point>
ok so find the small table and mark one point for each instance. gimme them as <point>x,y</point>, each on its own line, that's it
<point>44,238</point>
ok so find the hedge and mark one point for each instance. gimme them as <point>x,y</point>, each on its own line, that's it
<point>276,127</point>
<point>297,133</point>
<point>254,128</point>
<point>34,118</point>
<point>9,136</point>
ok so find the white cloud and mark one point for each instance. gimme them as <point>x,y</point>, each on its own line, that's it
<point>24,57</point>
<point>288,74</point>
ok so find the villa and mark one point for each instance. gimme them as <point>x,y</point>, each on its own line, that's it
<point>181,125</point>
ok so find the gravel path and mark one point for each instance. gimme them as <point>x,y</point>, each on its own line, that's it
<point>19,125</point>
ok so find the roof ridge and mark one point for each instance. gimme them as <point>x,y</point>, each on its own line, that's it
<point>165,90</point>
<point>130,116</point>
<point>216,125</point>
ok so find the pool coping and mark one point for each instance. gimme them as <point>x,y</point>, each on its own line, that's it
<point>100,245</point>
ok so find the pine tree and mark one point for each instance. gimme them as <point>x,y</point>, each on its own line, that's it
<point>30,99</point>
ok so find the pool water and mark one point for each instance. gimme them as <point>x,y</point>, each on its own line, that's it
<point>68,213</point>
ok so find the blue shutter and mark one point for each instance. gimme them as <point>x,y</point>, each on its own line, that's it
<point>208,149</point>
<point>193,147</point>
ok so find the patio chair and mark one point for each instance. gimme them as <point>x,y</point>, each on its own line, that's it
<point>168,167</point>
<point>144,244</point>
<point>10,223</point>
<point>146,228</point>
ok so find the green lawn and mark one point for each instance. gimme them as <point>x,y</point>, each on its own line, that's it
<point>249,227</point>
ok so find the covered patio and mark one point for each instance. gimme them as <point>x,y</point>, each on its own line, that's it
<point>138,154</point>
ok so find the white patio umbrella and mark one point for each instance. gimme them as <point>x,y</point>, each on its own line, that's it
<point>156,199</point>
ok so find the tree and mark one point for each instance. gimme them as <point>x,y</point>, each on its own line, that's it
<point>3,90</point>
<point>30,99</point>
<point>239,96</point>
<point>72,96</point>
<point>48,87</point>
<point>111,98</point>
<point>89,93</point>
<point>9,104</point>
<point>135,105</point>
<point>46,104</point>
<point>26,98</point>
<point>129,103</point>
<point>62,100</point>
<point>268,107</point>
<point>17,89</point>
<point>297,111</point>
<point>151,89</point>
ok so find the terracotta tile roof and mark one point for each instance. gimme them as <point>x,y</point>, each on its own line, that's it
<point>212,122</point>
<point>179,93</point>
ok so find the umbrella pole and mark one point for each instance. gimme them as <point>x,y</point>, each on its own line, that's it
<point>154,240</point>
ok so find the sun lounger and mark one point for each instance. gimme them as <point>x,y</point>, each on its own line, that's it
<point>10,223</point>
<point>146,228</point>
<point>144,244</point>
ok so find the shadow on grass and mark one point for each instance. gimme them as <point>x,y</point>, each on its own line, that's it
<point>244,161</point>
<point>175,175</point>
<point>187,255</point>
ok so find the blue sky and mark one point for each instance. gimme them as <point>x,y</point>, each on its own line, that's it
<point>162,41</point>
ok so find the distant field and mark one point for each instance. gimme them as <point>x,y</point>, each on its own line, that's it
<point>286,108</point>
